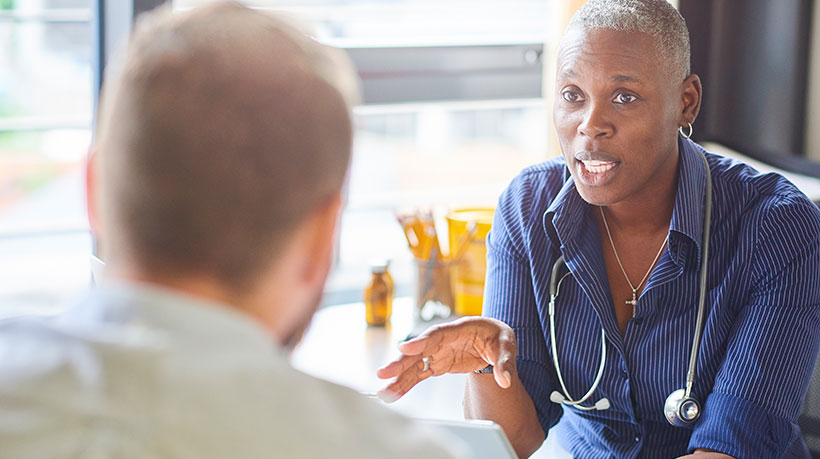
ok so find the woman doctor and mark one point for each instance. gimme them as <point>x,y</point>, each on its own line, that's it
<point>634,233</point>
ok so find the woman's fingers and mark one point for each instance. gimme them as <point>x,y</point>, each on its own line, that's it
<point>412,351</point>
<point>428,342</point>
<point>459,347</point>
<point>406,380</point>
<point>398,366</point>
<point>505,364</point>
<point>500,351</point>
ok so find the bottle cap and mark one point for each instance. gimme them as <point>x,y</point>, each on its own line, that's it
<point>379,266</point>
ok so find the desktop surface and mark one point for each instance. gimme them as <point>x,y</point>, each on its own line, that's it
<point>340,347</point>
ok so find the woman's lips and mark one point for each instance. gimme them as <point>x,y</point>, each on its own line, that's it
<point>597,167</point>
<point>596,172</point>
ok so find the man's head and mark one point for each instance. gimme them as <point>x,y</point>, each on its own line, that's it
<point>623,89</point>
<point>223,142</point>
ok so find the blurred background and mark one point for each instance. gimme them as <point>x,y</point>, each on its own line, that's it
<point>456,102</point>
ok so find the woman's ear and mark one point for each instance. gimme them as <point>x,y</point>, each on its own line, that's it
<point>691,96</point>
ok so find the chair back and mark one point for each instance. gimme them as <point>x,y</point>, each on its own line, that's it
<point>809,420</point>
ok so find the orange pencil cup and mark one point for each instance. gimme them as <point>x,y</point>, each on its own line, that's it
<point>468,230</point>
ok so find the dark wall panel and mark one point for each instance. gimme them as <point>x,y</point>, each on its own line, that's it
<point>753,57</point>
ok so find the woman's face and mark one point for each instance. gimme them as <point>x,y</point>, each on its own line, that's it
<point>617,109</point>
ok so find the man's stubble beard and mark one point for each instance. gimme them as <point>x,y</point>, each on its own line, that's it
<point>295,337</point>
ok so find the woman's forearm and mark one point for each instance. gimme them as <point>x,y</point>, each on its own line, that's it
<point>511,408</point>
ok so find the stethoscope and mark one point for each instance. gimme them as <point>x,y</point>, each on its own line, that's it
<point>680,408</point>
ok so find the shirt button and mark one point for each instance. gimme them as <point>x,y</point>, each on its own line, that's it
<point>637,439</point>
<point>637,320</point>
<point>625,374</point>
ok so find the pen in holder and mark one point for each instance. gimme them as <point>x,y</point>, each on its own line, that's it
<point>434,292</point>
<point>454,283</point>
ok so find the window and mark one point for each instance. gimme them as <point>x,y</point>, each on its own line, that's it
<point>355,23</point>
<point>442,155</point>
<point>452,112</point>
<point>451,128</point>
<point>45,115</point>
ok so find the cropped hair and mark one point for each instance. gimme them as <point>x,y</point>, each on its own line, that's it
<point>657,18</point>
<point>221,129</point>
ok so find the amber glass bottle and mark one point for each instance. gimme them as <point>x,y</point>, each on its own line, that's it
<point>378,296</point>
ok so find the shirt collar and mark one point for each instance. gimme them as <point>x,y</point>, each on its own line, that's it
<point>687,215</point>
<point>565,213</point>
<point>153,307</point>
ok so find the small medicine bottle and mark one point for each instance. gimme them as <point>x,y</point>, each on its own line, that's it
<point>378,295</point>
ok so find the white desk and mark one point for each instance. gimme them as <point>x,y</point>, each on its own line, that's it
<point>340,347</point>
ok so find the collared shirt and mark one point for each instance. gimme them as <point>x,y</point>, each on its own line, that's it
<point>137,372</point>
<point>762,326</point>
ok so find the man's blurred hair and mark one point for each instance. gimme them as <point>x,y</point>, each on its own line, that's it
<point>220,130</point>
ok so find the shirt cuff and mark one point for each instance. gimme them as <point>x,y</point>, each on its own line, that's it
<point>741,429</point>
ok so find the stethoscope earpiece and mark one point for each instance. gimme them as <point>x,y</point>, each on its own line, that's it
<point>557,397</point>
<point>602,404</point>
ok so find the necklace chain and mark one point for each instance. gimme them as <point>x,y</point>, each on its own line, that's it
<point>634,300</point>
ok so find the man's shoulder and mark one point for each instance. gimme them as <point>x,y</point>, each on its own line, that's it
<point>47,376</point>
<point>364,427</point>
<point>216,400</point>
<point>34,349</point>
<point>270,406</point>
<point>65,367</point>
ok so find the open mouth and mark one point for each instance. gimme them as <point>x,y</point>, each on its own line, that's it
<point>595,172</point>
<point>598,167</point>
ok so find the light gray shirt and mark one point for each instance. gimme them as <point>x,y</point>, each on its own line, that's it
<point>137,372</point>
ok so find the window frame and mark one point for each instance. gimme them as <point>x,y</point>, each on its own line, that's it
<point>388,74</point>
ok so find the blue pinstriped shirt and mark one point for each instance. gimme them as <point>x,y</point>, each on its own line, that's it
<point>762,328</point>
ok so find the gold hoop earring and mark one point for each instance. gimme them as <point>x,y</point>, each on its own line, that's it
<point>686,135</point>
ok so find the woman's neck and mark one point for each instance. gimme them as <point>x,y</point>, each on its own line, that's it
<point>650,210</point>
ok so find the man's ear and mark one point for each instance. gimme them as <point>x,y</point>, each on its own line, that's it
<point>91,197</point>
<point>691,96</point>
<point>321,240</point>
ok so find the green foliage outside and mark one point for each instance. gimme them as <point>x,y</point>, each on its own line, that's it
<point>38,178</point>
<point>6,4</point>
<point>12,143</point>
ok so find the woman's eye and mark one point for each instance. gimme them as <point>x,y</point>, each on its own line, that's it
<point>571,96</point>
<point>624,98</point>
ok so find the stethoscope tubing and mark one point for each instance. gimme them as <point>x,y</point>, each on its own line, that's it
<point>569,400</point>
<point>704,260</point>
<point>696,338</point>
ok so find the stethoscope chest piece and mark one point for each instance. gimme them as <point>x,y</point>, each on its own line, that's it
<point>681,410</point>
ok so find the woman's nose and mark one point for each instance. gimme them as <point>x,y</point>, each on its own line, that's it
<point>595,124</point>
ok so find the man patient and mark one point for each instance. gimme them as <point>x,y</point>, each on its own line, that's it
<point>222,144</point>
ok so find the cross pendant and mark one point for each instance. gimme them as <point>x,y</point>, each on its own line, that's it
<point>633,302</point>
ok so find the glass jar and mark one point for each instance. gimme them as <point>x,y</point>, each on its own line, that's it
<point>378,296</point>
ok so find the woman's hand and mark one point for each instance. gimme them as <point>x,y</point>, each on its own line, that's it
<point>463,346</point>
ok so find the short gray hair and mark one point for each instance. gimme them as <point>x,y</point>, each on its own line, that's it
<point>657,18</point>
